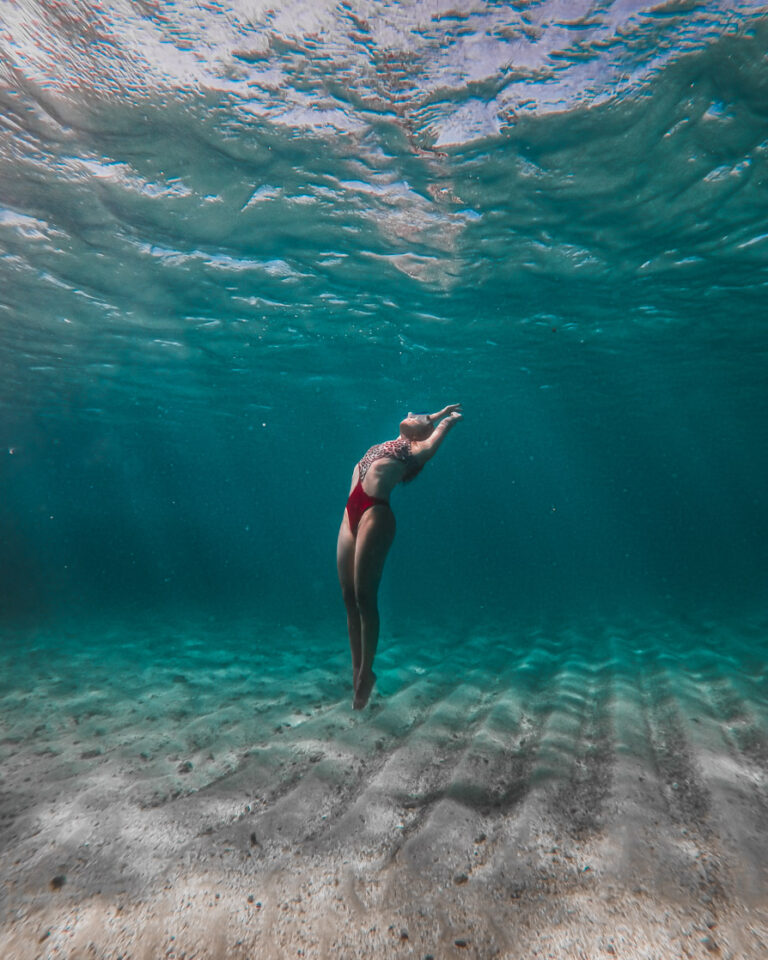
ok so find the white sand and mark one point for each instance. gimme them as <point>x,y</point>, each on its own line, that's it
<point>600,792</point>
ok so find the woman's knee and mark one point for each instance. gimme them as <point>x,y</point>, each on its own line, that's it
<point>350,597</point>
<point>367,602</point>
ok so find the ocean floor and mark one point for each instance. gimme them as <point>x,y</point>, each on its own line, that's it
<point>206,791</point>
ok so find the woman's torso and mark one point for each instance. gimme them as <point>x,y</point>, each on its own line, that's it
<point>384,466</point>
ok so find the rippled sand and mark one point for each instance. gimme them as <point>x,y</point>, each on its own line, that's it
<point>578,792</point>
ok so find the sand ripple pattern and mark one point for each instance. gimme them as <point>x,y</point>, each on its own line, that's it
<point>592,790</point>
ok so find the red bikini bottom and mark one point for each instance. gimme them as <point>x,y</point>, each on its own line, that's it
<point>358,503</point>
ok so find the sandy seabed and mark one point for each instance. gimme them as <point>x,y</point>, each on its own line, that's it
<point>206,791</point>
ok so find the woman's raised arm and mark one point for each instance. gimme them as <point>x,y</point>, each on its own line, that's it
<point>428,448</point>
<point>451,408</point>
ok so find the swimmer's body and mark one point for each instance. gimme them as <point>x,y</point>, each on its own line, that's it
<point>368,529</point>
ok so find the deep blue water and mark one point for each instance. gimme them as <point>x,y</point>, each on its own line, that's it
<point>236,247</point>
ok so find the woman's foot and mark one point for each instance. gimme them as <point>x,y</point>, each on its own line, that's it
<point>363,690</point>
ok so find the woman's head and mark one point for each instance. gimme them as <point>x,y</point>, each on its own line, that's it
<point>416,426</point>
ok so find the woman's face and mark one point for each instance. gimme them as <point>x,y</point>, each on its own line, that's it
<point>416,426</point>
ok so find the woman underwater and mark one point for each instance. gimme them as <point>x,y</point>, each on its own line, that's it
<point>368,529</point>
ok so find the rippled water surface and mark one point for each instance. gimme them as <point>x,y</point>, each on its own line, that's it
<point>237,241</point>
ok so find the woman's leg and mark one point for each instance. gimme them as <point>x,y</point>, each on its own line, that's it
<point>345,564</point>
<point>374,538</point>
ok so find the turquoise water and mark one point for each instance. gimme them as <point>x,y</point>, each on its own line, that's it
<point>237,244</point>
<point>238,247</point>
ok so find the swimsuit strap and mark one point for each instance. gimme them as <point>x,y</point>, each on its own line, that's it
<point>399,449</point>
